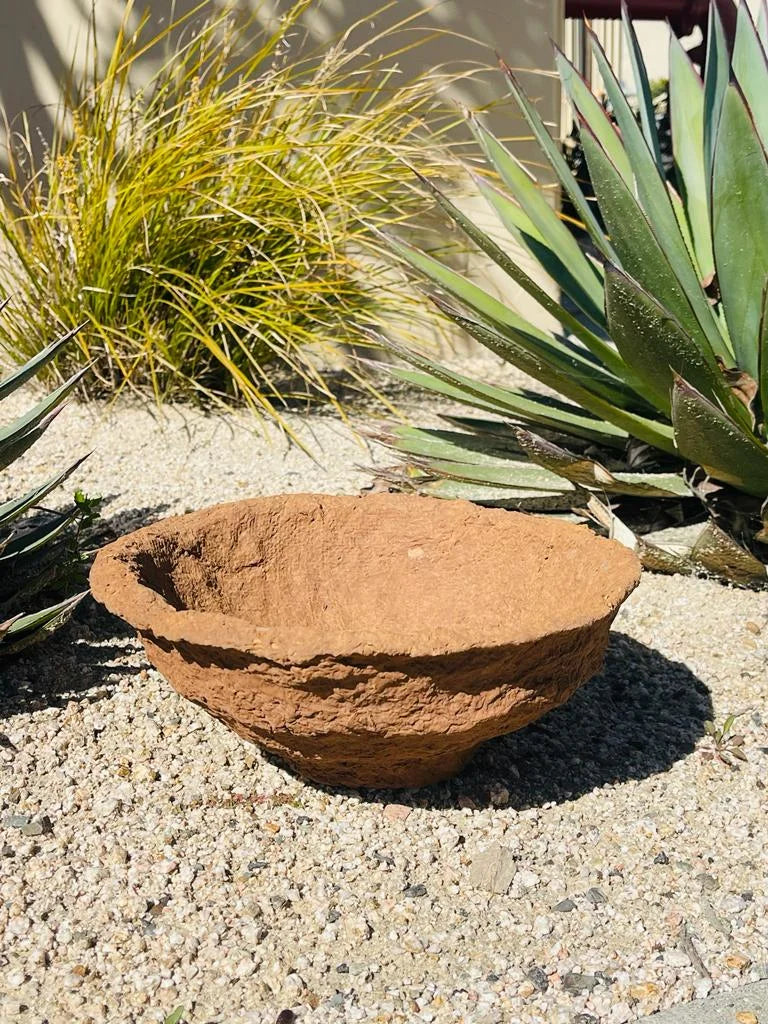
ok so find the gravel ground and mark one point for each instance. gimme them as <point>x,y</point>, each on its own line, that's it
<point>151,859</point>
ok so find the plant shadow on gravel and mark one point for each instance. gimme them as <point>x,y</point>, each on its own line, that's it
<point>636,719</point>
<point>86,658</point>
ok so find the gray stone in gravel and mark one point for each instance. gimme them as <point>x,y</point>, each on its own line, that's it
<point>493,869</point>
<point>574,982</point>
<point>719,1009</point>
<point>585,1018</point>
<point>32,828</point>
<point>336,1000</point>
<point>661,858</point>
<point>17,821</point>
<point>720,924</point>
<point>564,906</point>
<point>596,897</point>
<point>538,979</point>
<point>415,890</point>
<point>8,851</point>
<point>707,882</point>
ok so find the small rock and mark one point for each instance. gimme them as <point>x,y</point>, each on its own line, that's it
<point>737,961</point>
<point>286,1017</point>
<point>526,990</point>
<point>644,991</point>
<point>585,1018</point>
<point>257,865</point>
<point>415,890</point>
<point>17,821</point>
<point>702,987</point>
<point>746,1017</point>
<point>493,869</point>
<point>499,795</point>
<point>342,969</point>
<point>596,897</point>
<point>573,982</point>
<point>333,916</point>
<point>396,812</point>
<point>336,1000</point>
<point>538,979</point>
<point>707,882</point>
<point>661,858</point>
<point>564,906</point>
<point>7,851</point>
<point>542,926</point>
<point>753,627</point>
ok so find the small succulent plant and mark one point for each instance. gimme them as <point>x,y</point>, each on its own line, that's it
<point>40,550</point>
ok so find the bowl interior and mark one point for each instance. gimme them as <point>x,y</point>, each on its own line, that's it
<point>384,563</point>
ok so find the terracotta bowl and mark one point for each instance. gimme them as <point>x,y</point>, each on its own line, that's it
<point>369,641</point>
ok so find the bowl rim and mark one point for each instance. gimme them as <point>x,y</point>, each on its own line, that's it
<point>118,588</point>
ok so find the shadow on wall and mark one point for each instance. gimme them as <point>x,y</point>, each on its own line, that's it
<point>41,39</point>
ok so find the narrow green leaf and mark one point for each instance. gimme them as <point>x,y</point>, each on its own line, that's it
<point>654,198</point>
<point>642,88</point>
<point>36,363</point>
<point>515,338</point>
<point>762,24</point>
<point>740,226</point>
<point>596,345</point>
<point>26,630</point>
<point>15,446</point>
<point>523,499</point>
<point>686,102</point>
<point>588,107</point>
<point>762,377</point>
<point>520,475</point>
<point>29,541</point>
<point>719,554</point>
<point>642,256</point>
<point>706,436</point>
<point>520,226</point>
<point>558,163</point>
<point>39,411</point>
<point>507,401</point>
<point>11,510</point>
<point>751,70</point>
<point>581,283</point>
<point>716,76</point>
<point>651,431</point>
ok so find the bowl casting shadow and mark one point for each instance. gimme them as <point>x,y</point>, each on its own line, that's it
<point>369,641</point>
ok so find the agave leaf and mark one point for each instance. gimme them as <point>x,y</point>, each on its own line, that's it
<point>36,363</point>
<point>740,197</point>
<point>716,76</point>
<point>588,108</point>
<point>580,281</point>
<point>642,88</point>
<point>762,376</point>
<point>656,347</point>
<point>706,436</point>
<point>686,102</point>
<point>515,339</point>
<point>512,402</point>
<point>527,499</point>
<point>521,475</point>
<point>596,345</point>
<point>5,626</point>
<point>751,70</point>
<point>656,557</point>
<point>762,24</point>
<point>558,163</point>
<point>11,510</point>
<point>641,253</point>
<point>29,541</point>
<point>455,445</point>
<point>718,553</point>
<point>26,630</point>
<point>15,446</point>
<point>520,226</point>
<point>566,383</point>
<point>588,473</point>
<point>24,423</point>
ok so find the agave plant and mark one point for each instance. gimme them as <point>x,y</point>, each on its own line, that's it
<point>39,552</point>
<point>660,368</point>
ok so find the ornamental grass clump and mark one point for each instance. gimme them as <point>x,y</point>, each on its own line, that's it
<point>658,365</point>
<point>210,220</point>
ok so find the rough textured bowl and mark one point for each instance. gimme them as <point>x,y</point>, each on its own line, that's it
<point>369,641</point>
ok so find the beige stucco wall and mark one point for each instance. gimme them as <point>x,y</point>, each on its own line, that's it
<point>40,39</point>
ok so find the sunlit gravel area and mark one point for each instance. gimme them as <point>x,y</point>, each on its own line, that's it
<point>591,869</point>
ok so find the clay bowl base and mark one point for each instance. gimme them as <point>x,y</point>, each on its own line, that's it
<point>369,641</point>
